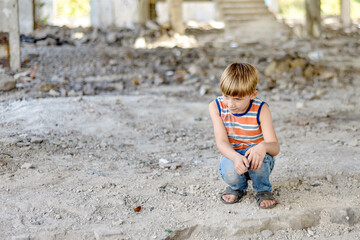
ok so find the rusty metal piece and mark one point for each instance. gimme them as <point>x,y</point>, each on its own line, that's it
<point>4,49</point>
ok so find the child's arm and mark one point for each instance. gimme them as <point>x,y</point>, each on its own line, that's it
<point>270,144</point>
<point>241,163</point>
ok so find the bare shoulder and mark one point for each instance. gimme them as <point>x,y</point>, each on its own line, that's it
<point>265,112</point>
<point>214,110</point>
<point>212,106</point>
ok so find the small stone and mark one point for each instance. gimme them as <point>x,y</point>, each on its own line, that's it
<point>300,105</point>
<point>204,90</point>
<point>329,178</point>
<point>27,166</point>
<point>267,233</point>
<point>54,93</point>
<point>36,140</point>
<point>99,218</point>
<point>310,232</point>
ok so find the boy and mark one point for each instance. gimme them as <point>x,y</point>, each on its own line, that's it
<point>244,135</point>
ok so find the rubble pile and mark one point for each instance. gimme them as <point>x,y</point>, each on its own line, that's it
<point>92,61</point>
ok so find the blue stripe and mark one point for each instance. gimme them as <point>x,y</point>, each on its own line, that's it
<point>237,125</point>
<point>217,103</point>
<point>258,115</point>
<point>239,144</point>
<point>245,137</point>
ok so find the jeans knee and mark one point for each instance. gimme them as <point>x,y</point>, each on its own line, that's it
<point>231,178</point>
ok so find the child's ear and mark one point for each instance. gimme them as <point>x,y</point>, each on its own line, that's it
<point>253,96</point>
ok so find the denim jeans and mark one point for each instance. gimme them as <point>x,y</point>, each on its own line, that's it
<point>260,177</point>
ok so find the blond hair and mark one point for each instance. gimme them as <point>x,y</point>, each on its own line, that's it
<point>239,80</point>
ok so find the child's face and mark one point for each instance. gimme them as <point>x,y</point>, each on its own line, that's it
<point>238,105</point>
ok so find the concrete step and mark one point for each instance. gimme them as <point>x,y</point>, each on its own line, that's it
<point>247,17</point>
<point>242,1</point>
<point>235,11</point>
<point>241,6</point>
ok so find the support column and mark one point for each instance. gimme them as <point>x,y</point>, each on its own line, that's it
<point>274,6</point>
<point>26,16</point>
<point>313,18</point>
<point>10,14</point>
<point>176,18</point>
<point>144,11</point>
<point>345,13</point>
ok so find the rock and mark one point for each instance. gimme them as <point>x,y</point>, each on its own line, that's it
<point>88,90</point>
<point>330,178</point>
<point>297,62</point>
<point>194,69</point>
<point>140,42</point>
<point>309,72</point>
<point>270,69</point>
<point>300,105</point>
<point>47,42</point>
<point>204,90</point>
<point>53,93</point>
<point>7,82</point>
<point>36,140</point>
<point>299,80</point>
<point>21,75</point>
<point>46,87</point>
<point>310,232</point>
<point>266,233</point>
<point>27,166</point>
<point>111,37</point>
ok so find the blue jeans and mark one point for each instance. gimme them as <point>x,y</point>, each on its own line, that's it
<point>260,177</point>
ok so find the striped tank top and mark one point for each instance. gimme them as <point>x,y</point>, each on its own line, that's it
<point>243,129</point>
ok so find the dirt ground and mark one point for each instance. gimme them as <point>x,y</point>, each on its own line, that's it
<point>88,166</point>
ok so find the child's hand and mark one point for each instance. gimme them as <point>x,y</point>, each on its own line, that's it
<point>256,156</point>
<point>241,164</point>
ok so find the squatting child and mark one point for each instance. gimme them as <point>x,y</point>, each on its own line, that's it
<point>244,135</point>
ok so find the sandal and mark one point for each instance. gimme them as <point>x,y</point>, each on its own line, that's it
<point>261,196</point>
<point>238,195</point>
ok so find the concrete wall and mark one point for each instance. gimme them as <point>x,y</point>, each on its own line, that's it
<point>9,22</point>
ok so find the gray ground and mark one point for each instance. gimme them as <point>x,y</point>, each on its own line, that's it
<point>81,143</point>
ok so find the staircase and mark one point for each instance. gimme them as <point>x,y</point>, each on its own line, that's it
<point>235,12</point>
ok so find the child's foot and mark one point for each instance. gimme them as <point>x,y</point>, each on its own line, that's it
<point>230,196</point>
<point>267,203</point>
<point>265,199</point>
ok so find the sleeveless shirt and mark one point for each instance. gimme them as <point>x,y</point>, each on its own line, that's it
<point>243,129</point>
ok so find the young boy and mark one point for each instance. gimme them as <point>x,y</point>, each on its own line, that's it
<point>244,135</point>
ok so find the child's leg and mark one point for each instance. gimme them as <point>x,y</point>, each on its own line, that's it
<point>230,176</point>
<point>260,178</point>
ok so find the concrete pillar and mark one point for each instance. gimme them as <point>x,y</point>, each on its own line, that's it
<point>9,23</point>
<point>143,11</point>
<point>26,16</point>
<point>313,18</point>
<point>176,18</point>
<point>274,6</point>
<point>345,13</point>
<point>102,13</point>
